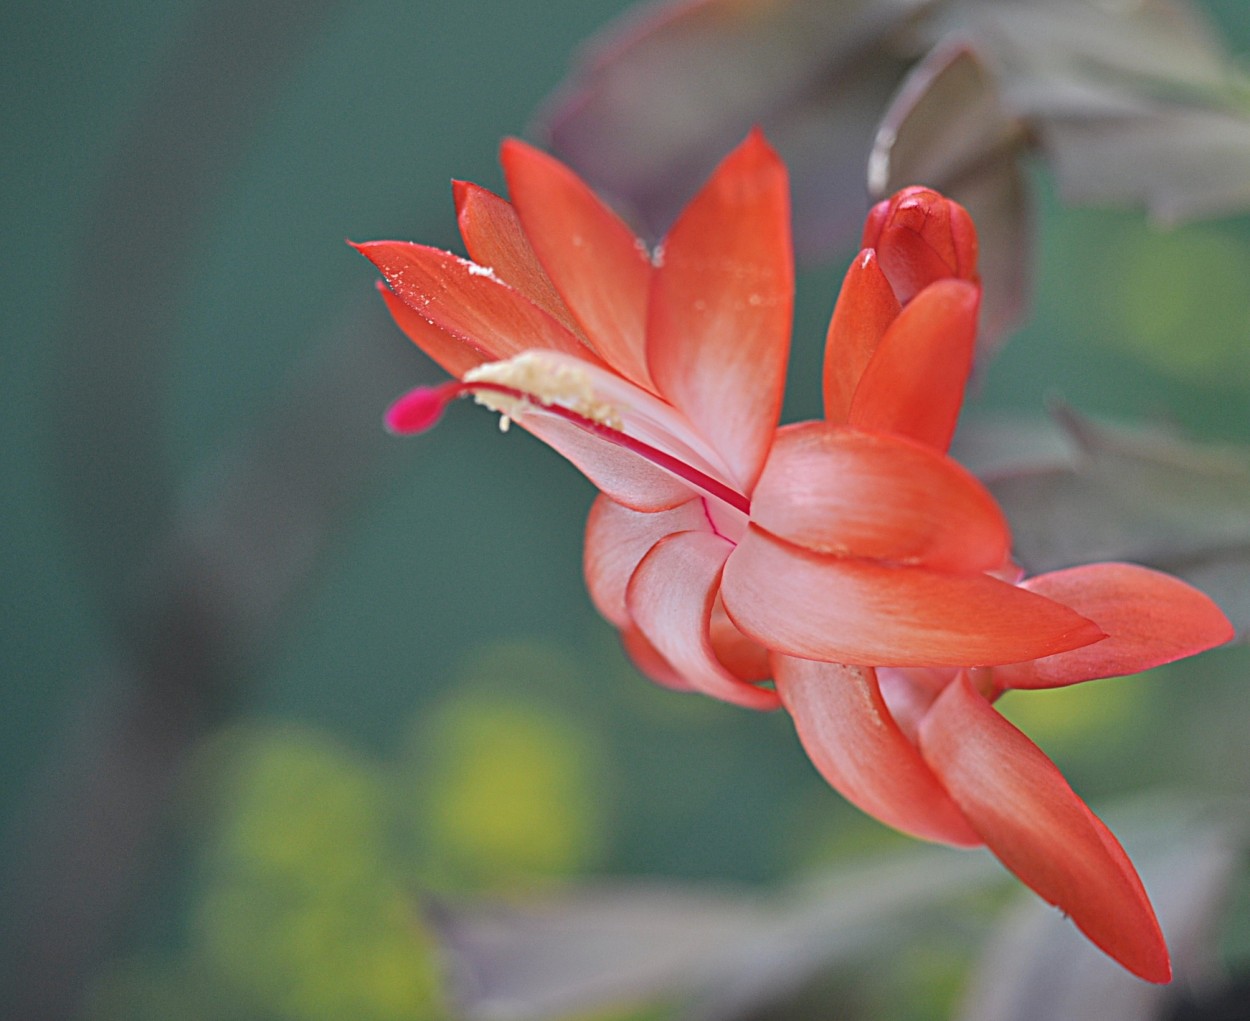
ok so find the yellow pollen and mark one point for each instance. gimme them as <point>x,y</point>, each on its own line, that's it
<point>544,383</point>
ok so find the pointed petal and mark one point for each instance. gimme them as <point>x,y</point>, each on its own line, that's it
<point>650,663</point>
<point>469,301</point>
<point>453,354</point>
<point>850,610</point>
<point>1013,795</point>
<point>866,307</point>
<point>597,265</point>
<point>670,599</point>
<point>837,490</point>
<point>853,741</point>
<point>494,238</point>
<point>617,539</point>
<point>914,384</point>
<point>1150,618</point>
<point>620,474</point>
<point>718,334</point>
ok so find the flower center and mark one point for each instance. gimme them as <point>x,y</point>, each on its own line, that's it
<point>541,383</point>
<point>528,384</point>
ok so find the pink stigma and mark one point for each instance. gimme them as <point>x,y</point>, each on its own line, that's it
<point>420,409</point>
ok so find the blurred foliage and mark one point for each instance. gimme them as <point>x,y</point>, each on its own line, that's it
<point>311,856</point>
<point>502,788</point>
<point>305,912</point>
<point>301,911</point>
<point>1132,323</point>
<point>1173,300</point>
<point>1093,716</point>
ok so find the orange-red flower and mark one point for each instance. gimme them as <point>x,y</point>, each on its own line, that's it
<point>764,565</point>
<point>660,375</point>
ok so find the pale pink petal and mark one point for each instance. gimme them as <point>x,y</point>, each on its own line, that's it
<point>909,691</point>
<point>626,477</point>
<point>469,301</point>
<point>643,415</point>
<point>838,490</point>
<point>597,265</point>
<point>866,307</point>
<point>670,599</point>
<point>745,659</point>
<point>640,451</point>
<point>850,610</point>
<point>453,354</point>
<point>849,735</point>
<point>649,662</point>
<point>617,538</point>
<point>1150,618</point>
<point>718,333</point>
<point>1022,807</point>
<point>914,384</point>
<point>494,238</point>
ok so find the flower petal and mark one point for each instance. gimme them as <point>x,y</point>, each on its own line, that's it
<point>469,301</point>
<point>494,237</point>
<point>851,610</point>
<point>453,354</point>
<point>921,236</point>
<point>745,659</point>
<point>838,490</point>
<point>642,415</point>
<point>866,307</point>
<point>909,691</point>
<point>670,599</point>
<point>650,663</point>
<point>1150,618</point>
<point>624,476</point>
<point>914,384</point>
<point>617,538</point>
<point>718,333</point>
<point>599,268</point>
<point>849,735</point>
<point>1017,800</point>
<point>636,448</point>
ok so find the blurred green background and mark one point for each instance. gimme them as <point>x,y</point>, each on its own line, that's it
<point>424,697</point>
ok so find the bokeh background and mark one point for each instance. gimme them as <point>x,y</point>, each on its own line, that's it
<point>270,674</point>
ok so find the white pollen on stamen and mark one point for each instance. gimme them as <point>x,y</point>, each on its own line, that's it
<point>544,383</point>
<point>477,270</point>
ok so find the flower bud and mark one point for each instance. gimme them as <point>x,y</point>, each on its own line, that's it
<point>920,237</point>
